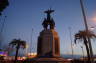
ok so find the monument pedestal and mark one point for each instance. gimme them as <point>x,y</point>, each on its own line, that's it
<point>48,50</point>
<point>48,44</point>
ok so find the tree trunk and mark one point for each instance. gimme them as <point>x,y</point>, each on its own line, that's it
<point>17,49</point>
<point>87,49</point>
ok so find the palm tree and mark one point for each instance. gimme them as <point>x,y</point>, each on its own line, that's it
<point>83,37</point>
<point>18,44</point>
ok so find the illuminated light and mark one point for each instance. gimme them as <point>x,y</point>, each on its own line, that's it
<point>27,46</point>
<point>19,58</point>
<point>69,59</point>
<point>3,53</point>
<point>23,58</point>
<point>35,53</point>
<point>32,55</point>
<point>92,28</point>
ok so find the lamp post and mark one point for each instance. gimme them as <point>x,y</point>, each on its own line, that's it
<point>31,41</point>
<point>71,42</point>
<point>86,28</point>
<point>82,52</point>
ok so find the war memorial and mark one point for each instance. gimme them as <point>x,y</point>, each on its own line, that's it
<point>48,45</point>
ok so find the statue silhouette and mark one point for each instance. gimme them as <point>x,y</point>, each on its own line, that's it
<point>45,24</point>
<point>48,21</point>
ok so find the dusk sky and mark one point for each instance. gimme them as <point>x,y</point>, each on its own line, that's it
<point>23,15</point>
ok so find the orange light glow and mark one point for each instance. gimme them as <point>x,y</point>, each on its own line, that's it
<point>31,55</point>
<point>21,58</point>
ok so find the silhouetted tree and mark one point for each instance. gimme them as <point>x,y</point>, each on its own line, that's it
<point>18,44</point>
<point>3,5</point>
<point>83,37</point>
<point>0,49</point>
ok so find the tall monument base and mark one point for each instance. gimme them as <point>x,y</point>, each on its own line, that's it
<point>48,44</point>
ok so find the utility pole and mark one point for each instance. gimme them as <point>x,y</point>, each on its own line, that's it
<point>86,28</point>
<point>71,42</point>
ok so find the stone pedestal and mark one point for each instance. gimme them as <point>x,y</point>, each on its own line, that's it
<point>48,44</point>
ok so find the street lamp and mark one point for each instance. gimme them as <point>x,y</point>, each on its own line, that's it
<point>31,37</point>
<point>71,42</point>
<point>82,52</point>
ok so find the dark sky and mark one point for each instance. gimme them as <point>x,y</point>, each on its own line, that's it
<point>23,15</point>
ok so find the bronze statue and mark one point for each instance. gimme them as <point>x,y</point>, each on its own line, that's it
<point>48,21</point>
<point>45,24</point>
